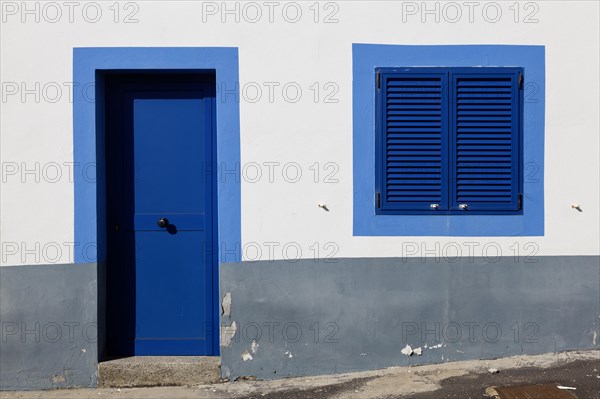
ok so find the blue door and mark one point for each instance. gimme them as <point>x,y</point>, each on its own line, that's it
<point>160,189</point>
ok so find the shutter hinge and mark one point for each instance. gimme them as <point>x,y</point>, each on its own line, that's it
<point>520,201</point>
<point>378,200</point>
<point>378,80</point>
<point>520,81</point>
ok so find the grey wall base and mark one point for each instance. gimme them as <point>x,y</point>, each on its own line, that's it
<point>308,318</point>
<point>48,326</point>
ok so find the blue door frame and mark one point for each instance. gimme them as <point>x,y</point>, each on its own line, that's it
<point>90,66</point>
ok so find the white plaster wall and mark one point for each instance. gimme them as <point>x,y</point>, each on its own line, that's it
<point>38,216</point>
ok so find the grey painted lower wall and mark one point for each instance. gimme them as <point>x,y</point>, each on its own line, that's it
<point>314,317</point>
<point>308,317</point>
<point>48,326</point>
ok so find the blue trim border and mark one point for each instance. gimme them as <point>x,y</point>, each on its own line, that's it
<point>88,150</point>
<point>366,58</point>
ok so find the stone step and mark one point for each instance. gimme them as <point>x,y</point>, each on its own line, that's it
<point>153,371</point>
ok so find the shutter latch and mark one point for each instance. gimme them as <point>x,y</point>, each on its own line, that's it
<point>378,200</point>
<point>378,80</point>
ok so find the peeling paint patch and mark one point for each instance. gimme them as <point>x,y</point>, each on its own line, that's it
<point>594,338</point>
<point>418,351</point>
<point>288,354</point>
<point>226,371</point>
<point>226,305</point>
<point>254,347</point>
<point>57,379</point>
<point>227,334</point>
<point>407,350</point>
<point>246,356</point>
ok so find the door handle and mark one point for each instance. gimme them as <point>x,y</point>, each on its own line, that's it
<point>163,222</point>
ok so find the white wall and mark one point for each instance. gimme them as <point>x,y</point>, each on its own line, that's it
<point>40,214</point>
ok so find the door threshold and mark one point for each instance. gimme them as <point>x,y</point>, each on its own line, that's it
<point>154,371</point>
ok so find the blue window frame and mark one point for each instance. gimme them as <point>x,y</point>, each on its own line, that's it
<point>449,140</point>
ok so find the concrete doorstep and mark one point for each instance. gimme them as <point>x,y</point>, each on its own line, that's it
<point>155,371</point>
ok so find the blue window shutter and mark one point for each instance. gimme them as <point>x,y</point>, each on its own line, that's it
<point>412,140</point>
<point>485,139</point>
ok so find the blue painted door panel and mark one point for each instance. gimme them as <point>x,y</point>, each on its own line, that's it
<point>171,284</point>
<point>162,138</point>
<point>169,152</point>
<point>171,269</point>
